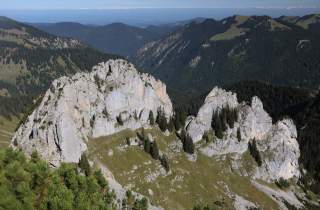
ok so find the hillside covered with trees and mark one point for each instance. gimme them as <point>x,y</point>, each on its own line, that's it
<point>223,52</point>
<point>31,59</point>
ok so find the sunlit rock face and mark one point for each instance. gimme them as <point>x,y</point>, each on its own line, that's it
<point>277,143</point>
<point>280,152</point>
<point>111,98</point>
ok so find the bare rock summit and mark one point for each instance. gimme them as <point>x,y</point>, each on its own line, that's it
<point>111,98</point>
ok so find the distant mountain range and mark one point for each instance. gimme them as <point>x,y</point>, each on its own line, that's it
<point>282,51</point>
<point>31,59</point>
<point>115,38</point>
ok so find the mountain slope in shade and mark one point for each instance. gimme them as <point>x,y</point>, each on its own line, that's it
<point>237,48</point>
<point>116,38</point>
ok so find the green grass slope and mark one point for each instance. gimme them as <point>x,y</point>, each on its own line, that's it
<point>204,180</point>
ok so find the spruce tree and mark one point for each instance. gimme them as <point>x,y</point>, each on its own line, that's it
<point>218,126</point>
<point>183,135</point>
<point>100,178</point>
<point>165,162</point>
<point>155,150</point>
<point>151,118</point>
<point>238,134</point>
<point>179,119</point>
<point>161,120</point>
<point>84,165</point>
<point>255,152</point>
<point>119,120</point>
<point>213,120</point>
<point>223,119</point>
<point>235,114</point>
<point>147,145</point>
<point>171,125</point>
<point>176,122</point>
<point>230,117</point>
<point>188,145</point>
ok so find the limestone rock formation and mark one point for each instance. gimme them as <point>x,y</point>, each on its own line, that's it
<point>277,144</point>
<point>113,97</point>
<point>280,152</point>
<point>216,99</point>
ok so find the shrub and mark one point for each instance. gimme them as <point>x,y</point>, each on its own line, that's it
<point>105,112</point>
<point>207,137</point>
<point>130,202</point>
<point>141,204</point>
<point>282,183</point>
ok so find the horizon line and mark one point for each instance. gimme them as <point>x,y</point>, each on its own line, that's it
<point>137,8</point>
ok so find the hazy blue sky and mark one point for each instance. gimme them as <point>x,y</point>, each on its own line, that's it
<point>106,4</point>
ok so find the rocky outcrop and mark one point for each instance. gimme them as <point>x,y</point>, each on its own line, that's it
<point>113,97</point>
<point>280,152</point>
<point>276,143</point>
<point>216,100</point>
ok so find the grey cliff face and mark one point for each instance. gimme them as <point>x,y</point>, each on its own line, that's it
<point>277,143</point>
<point>113,97</point>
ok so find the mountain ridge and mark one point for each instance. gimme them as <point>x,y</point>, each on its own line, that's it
<point>115,38</point>
<point>223,52</point>
<point>30,59</point>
